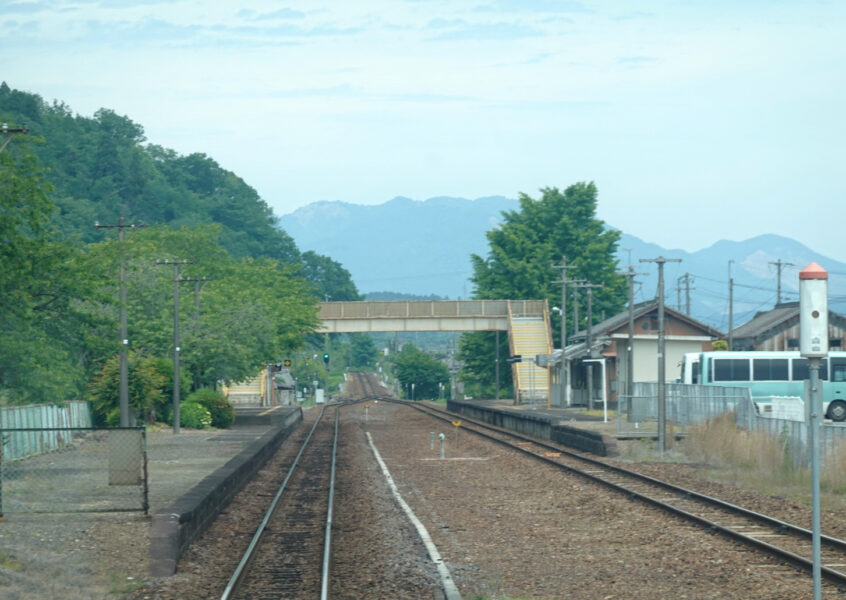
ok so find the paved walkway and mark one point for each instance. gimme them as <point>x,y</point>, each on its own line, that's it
<point>178,462</point>
<point>572,416</point>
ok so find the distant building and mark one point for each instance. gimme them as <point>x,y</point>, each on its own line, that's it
<point>778,329</point>
<point>608,352</point>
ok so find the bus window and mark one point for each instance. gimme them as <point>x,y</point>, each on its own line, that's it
<point>800,369</point>
<point>770,369</point>
<point>731,369</point>
<point>838,370</point>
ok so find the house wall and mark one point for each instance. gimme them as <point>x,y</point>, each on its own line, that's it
<point>646,357</point>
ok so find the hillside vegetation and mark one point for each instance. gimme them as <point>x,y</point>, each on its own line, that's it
<point>254,293</point>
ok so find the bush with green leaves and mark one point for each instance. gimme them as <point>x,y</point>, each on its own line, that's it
<point>222,413</point>
<point>149,383</point>
<point>194,416</point>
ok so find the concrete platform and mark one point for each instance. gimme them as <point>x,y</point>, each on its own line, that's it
<point>567,426</point>
<point>194,475</point>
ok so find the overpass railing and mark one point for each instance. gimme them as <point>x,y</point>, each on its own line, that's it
<point>417,309</point>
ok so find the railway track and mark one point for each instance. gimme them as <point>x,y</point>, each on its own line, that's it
<point>784,541</point>
<point>289,553</point>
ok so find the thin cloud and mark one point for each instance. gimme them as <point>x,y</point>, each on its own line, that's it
<point>23,8</point>
<point>637,14</point>
<point>282,13</point>
<point>636,61</point>
<point>534,6</point>
<point>464,31</point>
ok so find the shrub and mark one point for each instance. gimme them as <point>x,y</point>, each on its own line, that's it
<point>194,416</point>
<point>222,413</point>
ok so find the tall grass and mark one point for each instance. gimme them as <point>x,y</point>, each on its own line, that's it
<point>762,461</point>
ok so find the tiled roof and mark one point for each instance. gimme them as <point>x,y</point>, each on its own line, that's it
<point>641,308</point>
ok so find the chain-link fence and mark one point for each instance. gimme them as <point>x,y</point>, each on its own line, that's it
<point>73,469</point>
<point>686,405</point>
<point>697,404</point>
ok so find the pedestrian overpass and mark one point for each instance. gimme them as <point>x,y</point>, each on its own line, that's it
<point>526,321</point>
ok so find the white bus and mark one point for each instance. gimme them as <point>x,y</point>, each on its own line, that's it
<point>770,374</point>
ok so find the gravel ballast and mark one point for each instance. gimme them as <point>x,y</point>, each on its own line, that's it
<point>506,527</point>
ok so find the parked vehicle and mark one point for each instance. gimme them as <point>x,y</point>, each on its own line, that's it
<point>769,374</point>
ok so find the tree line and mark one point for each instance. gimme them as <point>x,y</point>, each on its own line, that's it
<point>59,274</point>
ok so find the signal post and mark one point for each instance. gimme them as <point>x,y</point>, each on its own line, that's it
<point>813,345</point>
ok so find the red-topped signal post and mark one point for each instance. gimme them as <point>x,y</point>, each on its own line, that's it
<point>813,345</point>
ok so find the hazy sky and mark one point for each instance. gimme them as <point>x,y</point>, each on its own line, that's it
<point>698,120</point>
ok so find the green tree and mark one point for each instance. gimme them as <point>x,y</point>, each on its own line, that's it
<point>520,264</point>
<point>250,312</point>
<point>150,389</point>
<point>43,283</point>
<point>363,351</point>
<point>102,170</point>
<point>329,278</point>
<point>58,287</point>
<point>413,366</point>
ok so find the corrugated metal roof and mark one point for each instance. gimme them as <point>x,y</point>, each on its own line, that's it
<point>766,320</point>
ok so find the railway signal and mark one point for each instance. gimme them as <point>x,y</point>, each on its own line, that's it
<point>286,362</point>
<point>326,358</point>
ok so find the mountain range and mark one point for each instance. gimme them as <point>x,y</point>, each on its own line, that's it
<point>424,247</point>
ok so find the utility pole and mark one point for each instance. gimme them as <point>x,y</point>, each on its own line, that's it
<point>687,294</point>
<point>687,278</point>
<point>589,337</point>
<point>628,389</point>
<point>662,383</point>
<point>731,310</point>
<point>575,308</point>
<point>125,416</point>
<point>496,361</point>
<point>198,281</point>
<point>779,266</point>
<point>563,373</point>
<point>176,263</point>
<point>9,133</point>
<point>198,285</point>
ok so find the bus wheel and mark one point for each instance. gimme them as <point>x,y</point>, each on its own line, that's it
<point>837,410</point>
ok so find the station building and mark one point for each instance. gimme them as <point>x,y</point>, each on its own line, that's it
<point>607,357</point>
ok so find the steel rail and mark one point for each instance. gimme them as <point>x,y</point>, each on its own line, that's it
<point>236,578</point>
<point>796,560</point>
<point>783,526</point>
<point>324,578</point>
<point>802,563</point>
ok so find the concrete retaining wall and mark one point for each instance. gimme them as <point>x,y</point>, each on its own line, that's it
<point>586,441</point>
<point>534,425</point>
<point>539,426</point>
<point>175,527</point>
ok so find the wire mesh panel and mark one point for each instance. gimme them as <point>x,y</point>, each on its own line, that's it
<point>54,470</point>
<point>686,405</point>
